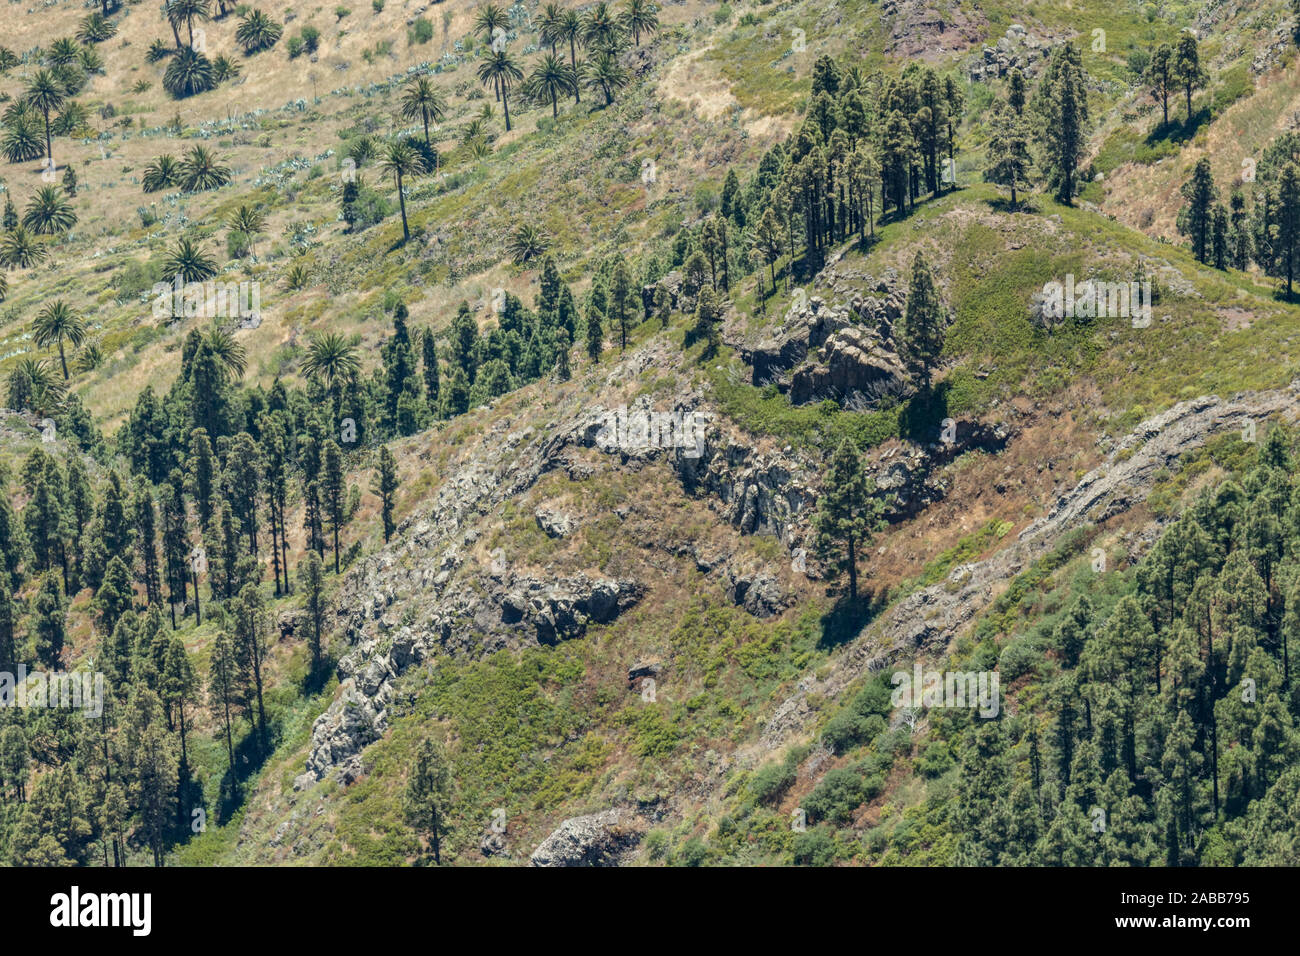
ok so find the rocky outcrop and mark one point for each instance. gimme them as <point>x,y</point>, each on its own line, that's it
<point>925,621</point>
<point>598,839</point>
<point>560,610</point>
<point>854,366</point>
<point>1017,49</point>
<point>555,524</point>
<point>843,352</point>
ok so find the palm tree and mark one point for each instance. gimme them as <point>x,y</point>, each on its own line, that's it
<point>606,74</point>
<point>96,28</point>
<point>32,385</point>
<point>175,17</point>
<point>501,70</point>
<point>20,249</point>
<point>488,19</point>
<point>189,73</point>
<point>4,287</point>
<point>55,323</point>
<point>550,78</point>
<point>49,212</point>
<point>601,29</point>
<point>332,357</point>
<point>640,16</point>
<point>422,101</point>
<point>22,138</point>
<point>256,31</point>
<point>400,161</point>
<point>247,220</point>
<point>63,51</point>
<point>188,261</point>
<point>163,173</point>
<point>228,352</point>
<point>200,171</point>
<point>548,32</point>
<point>187,11</point>
<point>528,242</point>
<point>46,94</point>
<point>570,29</point>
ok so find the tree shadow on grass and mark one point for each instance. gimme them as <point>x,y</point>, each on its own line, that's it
<point>1179,131</point>
<point>845,621</point>
<point>922,417</point>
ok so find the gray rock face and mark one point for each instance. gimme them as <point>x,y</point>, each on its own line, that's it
<point>555,524</point>
<point>853,364</point>
<point>560,610</point>
<point>844,352</point>
<point>598,839</point>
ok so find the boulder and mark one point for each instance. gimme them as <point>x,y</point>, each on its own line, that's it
<point>597,839</point>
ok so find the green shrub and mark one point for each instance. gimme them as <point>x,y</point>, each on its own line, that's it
<point>814,848</point>
<point>693,852</point>
<point>771,781</point>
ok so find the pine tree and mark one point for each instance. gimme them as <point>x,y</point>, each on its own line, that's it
<point>8,621</point>
<point>432,385</point>
<point>1159,76</point>
<point>1195,218</point>
<point>201,475</point>
<point>176,544</point>
<point>311,577</point>
<point>848,513</point>
<point>1220,239</point>
<point>620,298</point>
<point>249,613</point>
<point>113,599</point>
<point>50,622</point>
<point>385,484</point>
<point>333,493</point>
<point>1016,91</point>
<point>1062,106</point>
<point>223,687</point>
<point>595,333</point>
<point>1187,70</point>
<point>1008,153</point>
<point>923,322</point>
<point>146,535</point>
<point>1239,238</point>
<point>428,795</point>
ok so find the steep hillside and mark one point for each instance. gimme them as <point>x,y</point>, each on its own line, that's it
<point>584,481</point>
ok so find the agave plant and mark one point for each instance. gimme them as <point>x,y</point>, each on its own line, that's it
<point>163,173</point>
<point>49,212</point>
<point>189,73</point>
<point>257,31</point>
<point>200,171</point>
<point>20,249</point>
